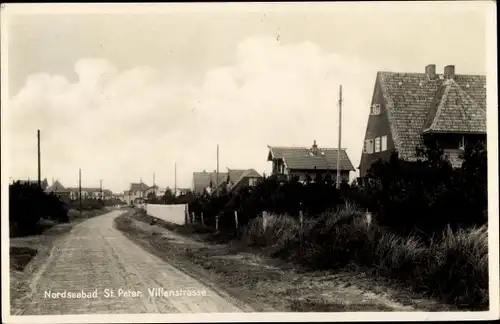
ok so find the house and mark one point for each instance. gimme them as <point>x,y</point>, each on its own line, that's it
<point>135,193</point>
<point>308,162</point>
<point>182,191</point>
<point>240,178</point>
<point>207,181</point>
<point>87,193</point>
<point>409,110</point>
<point>57,188</point>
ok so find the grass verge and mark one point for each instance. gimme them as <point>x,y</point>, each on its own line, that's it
<point>249,274</point>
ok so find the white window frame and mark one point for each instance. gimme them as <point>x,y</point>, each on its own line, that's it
<point>462,143</point>
<point>375,109</point>
<point>377,145</point>
<point>383,144</point>
<point>368,144</point>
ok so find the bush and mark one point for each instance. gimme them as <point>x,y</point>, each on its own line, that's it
<point>28,204</point>
<point>461,259</point>
<point>278,230</point>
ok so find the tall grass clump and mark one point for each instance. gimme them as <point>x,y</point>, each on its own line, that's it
<point>271,230</point>
<point>452,267</point>
<point>458,267</point>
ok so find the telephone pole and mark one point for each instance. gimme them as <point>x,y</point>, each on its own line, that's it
<point>175,179</point>
<point>101,188</point>
<point>217,175</point>
<point>80,189</point>
<point>39,161</point>
<point>340,134</point>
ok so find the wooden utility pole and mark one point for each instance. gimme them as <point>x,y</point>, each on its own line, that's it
<point>340,134</point>
<point>80,189</point>
<point>217,174</point>
<point>101,188</point>
<point>175,179</point>
<point>154,182</point>
<point>39,161</point>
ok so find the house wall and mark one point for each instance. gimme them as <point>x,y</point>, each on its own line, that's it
<point>452,141</point>
<point>302,174</point>
<point>377,126</point>
<point>278,166</point>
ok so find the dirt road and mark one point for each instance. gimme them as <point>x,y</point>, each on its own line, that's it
<point>97,270</point>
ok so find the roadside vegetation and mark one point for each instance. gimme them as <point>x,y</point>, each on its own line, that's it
<point>428,229</point>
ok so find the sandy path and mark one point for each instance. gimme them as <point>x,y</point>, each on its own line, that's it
<point>96,257</point>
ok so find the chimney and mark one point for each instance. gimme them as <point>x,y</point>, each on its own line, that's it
<point>449,72</point>
<point>315,148</point>
<point>430,70</point>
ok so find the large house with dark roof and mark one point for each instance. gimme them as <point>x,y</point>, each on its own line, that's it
<point>240,178</point>
<point>308,162</point>
<point>410,109</point>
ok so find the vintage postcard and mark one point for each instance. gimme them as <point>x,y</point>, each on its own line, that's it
<point>288,161</point>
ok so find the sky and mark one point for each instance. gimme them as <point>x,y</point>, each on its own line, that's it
<point>124,94</point>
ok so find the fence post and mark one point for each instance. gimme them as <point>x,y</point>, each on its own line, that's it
<point>202,220</point>
<point>186,214</point>
<point>236,218</point>
<point>216,222</point>
<point>193,219</point>
<point>301,218</point>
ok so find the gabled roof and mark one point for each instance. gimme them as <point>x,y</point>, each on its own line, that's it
<point>453,110</point>
<point>201,180</point>
<point>250,173</point>
<point>410,96</point>
<point>138,186</point>
<point>302,158</point>
<point>56,187</point>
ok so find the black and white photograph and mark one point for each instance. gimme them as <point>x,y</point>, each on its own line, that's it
<point>214,162</point>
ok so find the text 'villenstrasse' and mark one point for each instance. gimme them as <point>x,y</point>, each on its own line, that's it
<point>123,293</point>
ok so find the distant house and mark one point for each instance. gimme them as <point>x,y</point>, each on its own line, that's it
<point>44,182</point>
<point>57,188</point>
<point>240,178</point>
<point>411,109</point>
<point>182,191</point>
<point>88,193</point>
<point>207,181</point>
<point>308,162</point>
<point>135,193</point>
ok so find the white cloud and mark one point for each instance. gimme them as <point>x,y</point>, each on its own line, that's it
<point>124,125</point>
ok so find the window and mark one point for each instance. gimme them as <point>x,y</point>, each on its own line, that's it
<point>368,148</point>
<point>462,143</point>
<point>252,181</point>
<point>375,109</point>
<point>377,144</point>
<point>384,143</point>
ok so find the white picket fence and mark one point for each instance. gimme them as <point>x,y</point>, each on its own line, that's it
<point>171,213</point>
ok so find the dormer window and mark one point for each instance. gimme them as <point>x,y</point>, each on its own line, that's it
<point>375,110</point>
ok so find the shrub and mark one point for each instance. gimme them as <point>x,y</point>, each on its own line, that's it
<point>278,230</point>
<point>28,204</point>
<point>458,270</point>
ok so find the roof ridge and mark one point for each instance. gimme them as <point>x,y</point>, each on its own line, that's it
<point>439,110</point>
